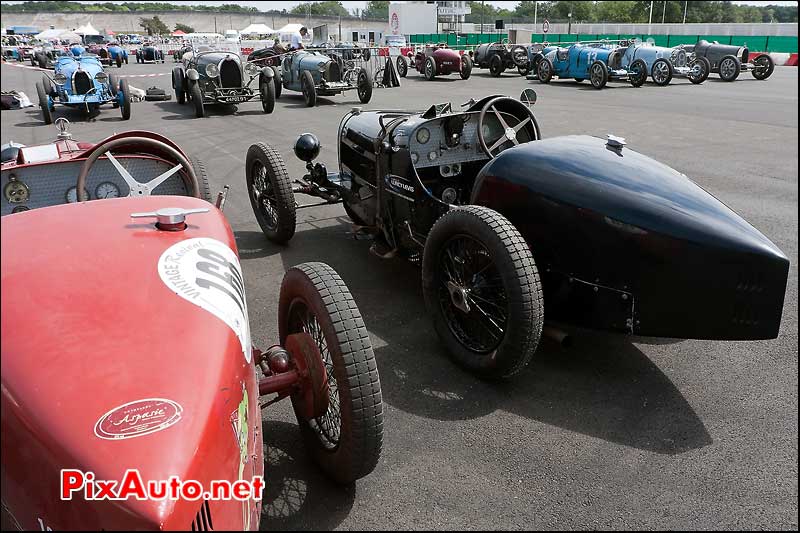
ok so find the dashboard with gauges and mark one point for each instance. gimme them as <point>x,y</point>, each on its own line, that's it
<point>43,185</point>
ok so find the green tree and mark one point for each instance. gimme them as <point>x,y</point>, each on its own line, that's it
<point>153,26</point>
<point>184,28</point>
<point>329,8</point>
<point>376,10</point>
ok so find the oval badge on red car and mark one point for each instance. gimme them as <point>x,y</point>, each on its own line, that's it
<point>138,418</point>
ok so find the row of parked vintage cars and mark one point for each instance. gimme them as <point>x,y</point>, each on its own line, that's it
<point>599,62</point>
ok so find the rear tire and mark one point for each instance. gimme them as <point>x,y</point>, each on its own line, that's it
<point>179,84</point>
<point>42,61</point>
<point>430,68</point>
<point>44,103</point>
<point>278,81</point>
<point>598,74</point>
<point>119,61</point>
<point>545,70</point>
<point>764,66</point>
<point>364,81</point>
<point>704,66</point>
<point>466,67</point>
<point>402,67</point>
<point>268,181</point>
<point>345,442</point>
<point>197,99</point>
<point>113,84</point>
<point>309,89</point>
<point>729,68</point>
<point>637,74</point>
<point>495,262</point>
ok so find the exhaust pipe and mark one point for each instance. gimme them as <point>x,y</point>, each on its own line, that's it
<point>558,335</point>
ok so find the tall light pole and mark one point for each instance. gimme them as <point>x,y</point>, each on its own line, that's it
<point>483,8</point>
<point>650,21</point>
<point>535,11</point>
<point>664,13</point>
<point>685,9</point>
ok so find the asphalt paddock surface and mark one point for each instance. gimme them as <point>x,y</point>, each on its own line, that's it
<point>612,433</point>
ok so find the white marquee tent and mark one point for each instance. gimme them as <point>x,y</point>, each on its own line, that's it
<point>60,34</point>
<point>87,29</point>
<point>259,29</point>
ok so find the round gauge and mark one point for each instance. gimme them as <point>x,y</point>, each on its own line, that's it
<point>423,135</point>
<point>414,157</point>
<point>106,190</point>
<point>16,192</point>
<point>72,195</point>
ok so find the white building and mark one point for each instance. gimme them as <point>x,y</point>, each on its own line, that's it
<point>451,14</point>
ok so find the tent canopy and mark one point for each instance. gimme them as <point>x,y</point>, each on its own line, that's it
<point>261,29</point>
<point>60,34</point>
<point>178,33</point>
<point>87,29</point>
<point>290,28</point>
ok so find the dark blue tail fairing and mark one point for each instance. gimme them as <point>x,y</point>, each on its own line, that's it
<point>626,243</point>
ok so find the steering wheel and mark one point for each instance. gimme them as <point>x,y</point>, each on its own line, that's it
<point>509,132</point>
<point>505,42</point>
<point>136,188</point>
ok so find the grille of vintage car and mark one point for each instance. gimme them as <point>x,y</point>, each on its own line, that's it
<point>332,72</point>
<point>82,82</point>
<point>229,73</point>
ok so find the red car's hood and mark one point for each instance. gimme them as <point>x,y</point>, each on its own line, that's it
<point>112,355</point>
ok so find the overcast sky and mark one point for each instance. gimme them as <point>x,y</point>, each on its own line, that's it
<point>264,6</point>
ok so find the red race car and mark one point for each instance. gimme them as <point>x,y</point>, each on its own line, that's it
<point>138,303</point>
<point>438,60</point>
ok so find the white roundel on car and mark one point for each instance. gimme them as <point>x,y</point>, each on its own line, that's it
<point>207,273</point>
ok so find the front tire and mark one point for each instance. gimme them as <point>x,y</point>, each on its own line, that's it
<point>598,74</point>
<point>402,67</point>
<point>346,440</point>
<point>430,68</point>
<point>661,72</point>
<point>179,84</point>
<point>44,103</point>
<point>197,99</point>
<point>700,74</point>
<point>270,191</point>
<point>364,89</point>
<point>482,291</point>
<point>125,104</point>
<point>267,90</point>
<point>277,79</point>
<point>309,89</point>
<point>729,68</point>
<point>638,73</point>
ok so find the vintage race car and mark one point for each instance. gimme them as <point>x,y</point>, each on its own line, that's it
<point>149,52</point>
<point>497,57</point>
<point>597,61</point>
<point>144,299</point>
<point>17,53</point>
<point>44,55</point>
<point>728,61</point>
<point>662,63</point>
<point>316,74</point>
<point>512,230</point>
<point>80,81</point>
<point>438,60</point>
<point>222,78</point>
<point>177,55</point>
<point>117,54</point>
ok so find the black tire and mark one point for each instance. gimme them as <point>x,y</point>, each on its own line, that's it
<point>314,299</point>
<point>637,74</point>
<point>364,88</point>
<point>598,74</point>
<point>366,54</point>
<point>545,70</point>
<point>729,68</point>
<point>309,89</point>
<point>402,67</point>
<point>44,103</point>
<point>267,179</point>
<point>42,60</point>
<point>179,84</point>
<point>466,67</point>
<point>266,90</point>
<point>278,81</point>
<point>197,99</point>
<point>430,68</point>
<point>47,85</point>
<point>34,57</point>
<point>661,72</point>
<point>704,66</point>
<point>763,67</point>
<point>496,66</point>
<point>125,105</point>
<point>202,178</point>
<point>119,61</point>
<point>113,84</point>
<point>516,291</point>
<point>126,60</point>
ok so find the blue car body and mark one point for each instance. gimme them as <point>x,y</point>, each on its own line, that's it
<point>329,76</point>
<point>116,51</point>
<point>578,61</point>
<point>676,61</point>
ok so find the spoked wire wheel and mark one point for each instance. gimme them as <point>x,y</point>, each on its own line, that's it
<point>343,429</point>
